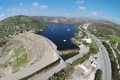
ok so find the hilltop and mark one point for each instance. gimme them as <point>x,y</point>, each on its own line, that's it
<point>19,24</point>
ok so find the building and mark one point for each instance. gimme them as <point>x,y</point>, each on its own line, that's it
<point>87,40</point>
<point>85,69</point>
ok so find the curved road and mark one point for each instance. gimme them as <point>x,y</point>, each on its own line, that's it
<point>105,58</point>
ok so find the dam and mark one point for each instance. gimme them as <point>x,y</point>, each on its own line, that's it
<point>41,52</point>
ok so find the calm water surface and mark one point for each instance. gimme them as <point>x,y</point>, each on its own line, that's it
<point>60,34</point>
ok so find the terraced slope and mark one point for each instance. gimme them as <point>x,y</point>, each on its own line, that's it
<point>26,54</point>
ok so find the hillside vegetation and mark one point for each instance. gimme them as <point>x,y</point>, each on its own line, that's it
<point>112,38</point>
<point>115,70</point>
<point>18,24</point>
<point>102,29</point>
<point>106,32</point>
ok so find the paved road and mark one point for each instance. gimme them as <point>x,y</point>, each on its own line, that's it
<point>105,58</point>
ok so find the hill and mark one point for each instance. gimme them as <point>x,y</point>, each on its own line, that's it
<point>104,28</point>
<point>18,24</point>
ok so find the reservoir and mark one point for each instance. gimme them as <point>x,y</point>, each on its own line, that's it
<point>60,34</point>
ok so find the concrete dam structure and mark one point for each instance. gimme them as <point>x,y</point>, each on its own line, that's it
<point>40,52</point>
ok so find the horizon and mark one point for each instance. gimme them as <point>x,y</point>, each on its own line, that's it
<point>85,17</point>
<point>103,9</point>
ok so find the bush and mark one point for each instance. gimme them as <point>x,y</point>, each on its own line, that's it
<point>93,48</point>
<point>81,60</point>
<point>98,75</point>
<point>63,74</point>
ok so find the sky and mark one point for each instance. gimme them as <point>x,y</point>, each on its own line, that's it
<point>108,9</point>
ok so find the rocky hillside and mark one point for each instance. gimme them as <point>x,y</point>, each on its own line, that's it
<point>19,24</point>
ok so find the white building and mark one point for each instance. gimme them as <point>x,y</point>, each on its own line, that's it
<point>87,40</point>
<point>85,26</point>
<point>85,69</point>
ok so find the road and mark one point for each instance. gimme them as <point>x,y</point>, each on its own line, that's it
<point>106,65</point>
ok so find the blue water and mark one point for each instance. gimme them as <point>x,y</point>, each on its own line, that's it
<point>60,34</point>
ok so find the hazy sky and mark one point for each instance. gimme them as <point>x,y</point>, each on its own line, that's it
<point>69,8</point>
